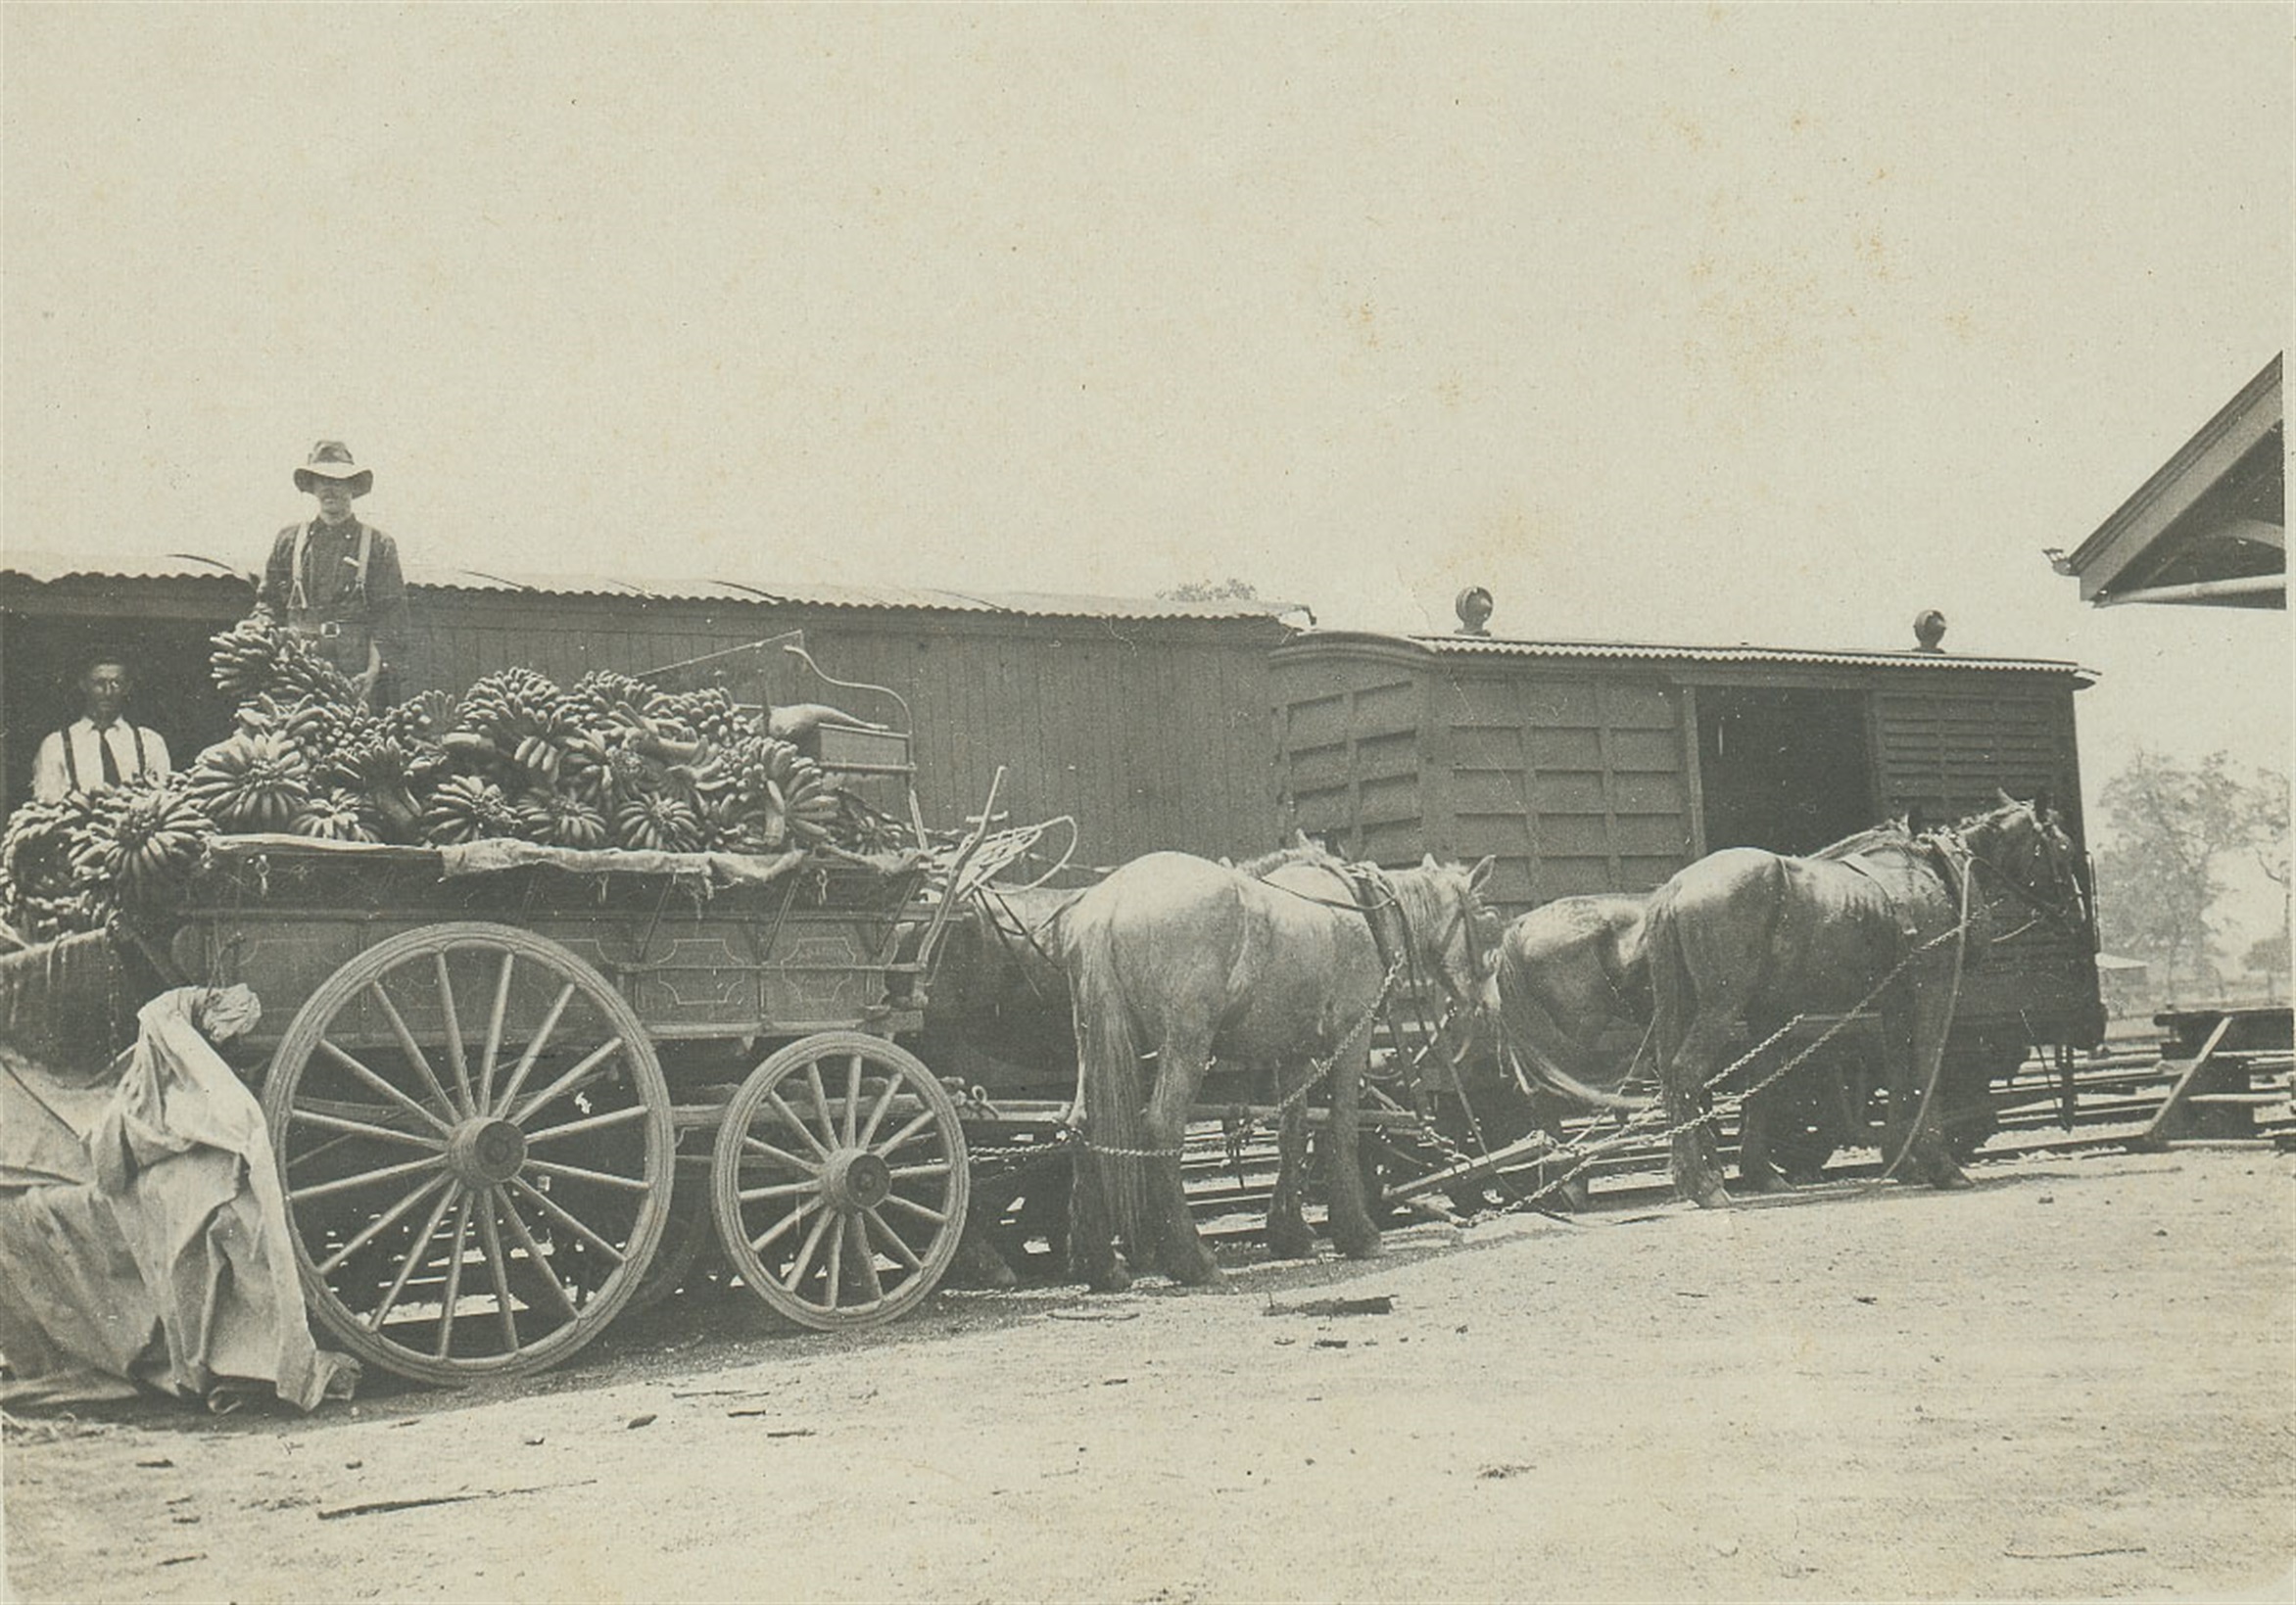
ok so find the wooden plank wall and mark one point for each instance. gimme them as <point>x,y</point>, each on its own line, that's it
<point>1946,752</point>
<point>1349,745</point>
<point>1149,733</point>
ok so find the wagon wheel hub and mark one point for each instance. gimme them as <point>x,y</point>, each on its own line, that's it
<point>855,1179</point>
<point>486,1151</point>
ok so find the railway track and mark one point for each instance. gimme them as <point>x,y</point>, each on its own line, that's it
<point>2113,1096</point>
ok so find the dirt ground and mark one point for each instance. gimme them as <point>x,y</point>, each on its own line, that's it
<point>2073,1381</point>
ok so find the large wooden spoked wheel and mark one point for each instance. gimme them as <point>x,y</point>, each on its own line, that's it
<point>840,1180</point>
<point>476,1142</point>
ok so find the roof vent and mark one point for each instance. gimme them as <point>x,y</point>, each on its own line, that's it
<point>1929,629</point>
<point>1473,608</point>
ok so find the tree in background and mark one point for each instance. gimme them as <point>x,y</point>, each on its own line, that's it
<point>2170,825</point>
<point>1230,589</point>
<point>2267,826</point>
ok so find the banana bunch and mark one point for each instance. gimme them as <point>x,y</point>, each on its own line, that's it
<point>255,780</point>
<point>337,814</point>
<point>658,822</point>
<point>40,894</point>
<point>137,839</point>
<point>241,659</point>
<point>380,770</point>
<point>258,655</point>
<point>710,712</point>
<point>561,821</point>
<point>467,808</point>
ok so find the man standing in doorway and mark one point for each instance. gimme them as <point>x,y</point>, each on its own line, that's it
<point>335,581</point>
<point>99,748</point>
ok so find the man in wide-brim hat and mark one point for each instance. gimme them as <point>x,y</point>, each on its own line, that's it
<point>335,579</point>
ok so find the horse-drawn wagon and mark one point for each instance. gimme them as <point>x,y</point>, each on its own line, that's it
<point>490,1085</point>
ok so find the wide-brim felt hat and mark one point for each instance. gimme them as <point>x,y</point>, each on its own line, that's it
<point>331,459</point>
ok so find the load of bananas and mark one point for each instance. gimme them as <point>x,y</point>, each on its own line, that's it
<point>608,762</point>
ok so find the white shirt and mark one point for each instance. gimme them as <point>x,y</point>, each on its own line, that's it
<point>52,778</point>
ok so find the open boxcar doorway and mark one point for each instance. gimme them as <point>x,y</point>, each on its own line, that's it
<point>1787,770</point>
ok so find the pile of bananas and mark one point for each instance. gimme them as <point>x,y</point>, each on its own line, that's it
<point>608,762</point>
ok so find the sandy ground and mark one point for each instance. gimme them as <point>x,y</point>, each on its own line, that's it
<point>2073,1381</point>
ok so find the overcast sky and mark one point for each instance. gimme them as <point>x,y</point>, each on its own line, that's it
<point>1692,324</point>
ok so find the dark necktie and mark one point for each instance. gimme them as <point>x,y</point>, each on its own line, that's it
<point>111,764</point>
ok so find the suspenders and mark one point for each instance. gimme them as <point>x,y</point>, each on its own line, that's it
<point>298,593</point>
<point>71,758</point>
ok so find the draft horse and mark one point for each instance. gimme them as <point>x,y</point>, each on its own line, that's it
<point>1745,935</point>
<point>1189,959</point>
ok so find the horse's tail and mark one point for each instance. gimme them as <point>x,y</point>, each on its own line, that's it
<point>1109,1093</point>
<point>1528,1032</point>
<point>1673,992</point>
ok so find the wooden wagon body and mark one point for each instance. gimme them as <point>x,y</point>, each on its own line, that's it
<point>497,1077</point>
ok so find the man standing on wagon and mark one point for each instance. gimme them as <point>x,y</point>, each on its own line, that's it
<point>335,581</point>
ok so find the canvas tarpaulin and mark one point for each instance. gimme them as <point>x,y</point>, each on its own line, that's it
<point>143,1236</point>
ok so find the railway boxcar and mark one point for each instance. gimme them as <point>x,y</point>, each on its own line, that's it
<point>1586,767</point>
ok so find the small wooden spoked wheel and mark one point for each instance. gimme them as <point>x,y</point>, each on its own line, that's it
<point>841,1181</point>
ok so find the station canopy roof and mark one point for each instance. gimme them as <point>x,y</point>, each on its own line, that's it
<point>2209,526</point>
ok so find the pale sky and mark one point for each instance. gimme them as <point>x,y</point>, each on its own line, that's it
<point>1692,324</point>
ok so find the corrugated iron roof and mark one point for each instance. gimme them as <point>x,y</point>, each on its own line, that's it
<point>47,567</point>
<point>1501,648</point>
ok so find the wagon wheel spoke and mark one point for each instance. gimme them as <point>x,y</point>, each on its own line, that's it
<point>852,1097</point>
<point>594,1122</point>
<point>497,1267</point>
<point>788,1224</point>
<point>351,1063</point>
<point>604,1178</point>
<point>856,1228</point>
<point>365,1178</point>
<point>789,1118</point>
<point>892,1241</point>
<point>453,1291</point>
<point>534,1047</point>
<point>535,1258</point>
<point>492,1053</point>
<point>804,1262</point>
<point>411,1048</point>
<point>780,1189</point>
<point>585,1069</point>
<point>413,1257</point>
<point>382,1222</point>
<point>755,1145</point>
<point>910,1207</point>
<point>457,1059</point>
<point>362,1128</point>
<point>565,1218</point>
<point>828,1127</point>
<point>911,1172</point>
<point>877,1114</point>
<point>832,1282</point>
<point>906,1135</point>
